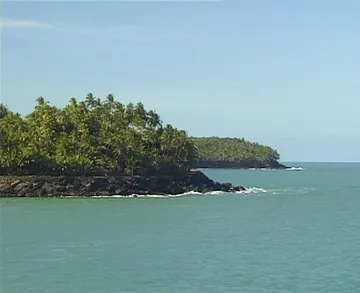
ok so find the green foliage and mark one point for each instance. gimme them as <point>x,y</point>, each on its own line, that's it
<point>96,136</point>
<point>92,137</point>
<point>233,149</point>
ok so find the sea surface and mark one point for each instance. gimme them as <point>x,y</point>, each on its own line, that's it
<point>295,231</point>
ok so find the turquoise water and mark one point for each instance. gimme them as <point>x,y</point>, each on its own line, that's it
<point>298,232</point>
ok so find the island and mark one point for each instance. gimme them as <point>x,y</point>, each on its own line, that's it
<point>100,147</point>
<point>236,153</point>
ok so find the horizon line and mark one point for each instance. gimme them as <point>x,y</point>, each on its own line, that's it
<point>340,162</point>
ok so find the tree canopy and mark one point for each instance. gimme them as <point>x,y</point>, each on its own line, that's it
<point>97,136</point>
<point>233,149</point>
<point>92,136</point>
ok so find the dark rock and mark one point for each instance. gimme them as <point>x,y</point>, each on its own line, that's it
<point>118,191</point>
<point>21,186</point>
<point>40,192</point>
<point>15,183</point>
<point>5,187</point>
<point>239,188</point>
<point>49,186</point>
<point>60,188</point>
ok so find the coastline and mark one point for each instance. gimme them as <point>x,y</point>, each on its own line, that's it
<point>212,164</point>
<point>90,186</point>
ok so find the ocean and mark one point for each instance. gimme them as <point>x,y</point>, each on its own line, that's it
<point>294,231</point>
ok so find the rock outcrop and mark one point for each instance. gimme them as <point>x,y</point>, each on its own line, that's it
<point>55,186</point>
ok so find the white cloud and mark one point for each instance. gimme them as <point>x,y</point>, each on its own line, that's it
<point>24,24</point>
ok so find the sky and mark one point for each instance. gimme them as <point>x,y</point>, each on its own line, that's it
<point>282,73</point>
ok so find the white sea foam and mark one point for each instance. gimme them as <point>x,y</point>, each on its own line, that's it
<point>274,169</point>
<point>291,191</point>
<point>216,192</point>
<point>265,169</point>
<point>248,192</point>
<point>295,169</point>
<point>252,190</point>
<point>190,193</point>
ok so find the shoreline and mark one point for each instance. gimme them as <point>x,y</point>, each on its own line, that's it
<point>209,164</point>
<point>109,186</point>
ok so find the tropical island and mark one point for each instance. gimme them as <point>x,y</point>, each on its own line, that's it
<point>237,153</point>
<point>100,147</point>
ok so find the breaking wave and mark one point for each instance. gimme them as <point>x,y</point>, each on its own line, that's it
<point>272,169</point>
<point>250,190</point>
<point>295,169</point>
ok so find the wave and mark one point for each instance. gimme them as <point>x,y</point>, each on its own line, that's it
<point>295,169</point>
<point>250,190</point>
<point>263,169</point>
<point>274,169</point>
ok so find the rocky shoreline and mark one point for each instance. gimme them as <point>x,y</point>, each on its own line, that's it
<point>88,186</point>
<point>207,164</point>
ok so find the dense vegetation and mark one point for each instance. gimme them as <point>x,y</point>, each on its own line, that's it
<point>90,137</point>
<point>233,149</point>
<point>105,137</point>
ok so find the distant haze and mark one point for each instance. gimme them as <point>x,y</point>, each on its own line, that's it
<point>283,73</point>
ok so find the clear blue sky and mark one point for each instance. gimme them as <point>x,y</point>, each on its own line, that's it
<point>283,73</point>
